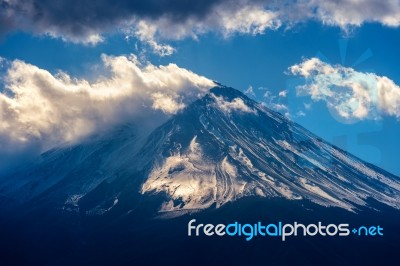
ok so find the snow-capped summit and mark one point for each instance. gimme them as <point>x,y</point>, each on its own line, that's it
<point>226,146</point>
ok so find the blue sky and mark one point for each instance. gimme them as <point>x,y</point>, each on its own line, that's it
<point>258,56</point>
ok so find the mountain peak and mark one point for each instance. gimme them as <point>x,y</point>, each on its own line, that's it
<point>227,92</point>
<point>227,147</point>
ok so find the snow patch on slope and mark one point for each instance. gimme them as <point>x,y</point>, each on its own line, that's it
<point>187,178</point>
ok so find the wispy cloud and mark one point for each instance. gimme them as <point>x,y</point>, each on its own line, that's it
<point>147,33</point>
<point>350,93</point>
<point>250,92</point>
<point>283,93</point>
<point>275,102</point>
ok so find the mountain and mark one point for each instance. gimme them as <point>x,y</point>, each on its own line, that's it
<point>223,158</point>
<point>226,146</point>
<point>221,148</point>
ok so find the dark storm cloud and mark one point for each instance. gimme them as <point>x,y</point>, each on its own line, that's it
<point>77,17</point>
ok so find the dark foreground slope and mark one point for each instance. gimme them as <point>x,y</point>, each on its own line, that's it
<point>54,239</point>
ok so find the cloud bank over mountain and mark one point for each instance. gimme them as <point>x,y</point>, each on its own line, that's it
<point>39,110</point>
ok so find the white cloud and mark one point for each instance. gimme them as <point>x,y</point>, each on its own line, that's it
<point>146,33</point>
<point>267,94</point>
<point>307,106</point>
<point>227,21</point>
<point>283,93</point>
<point>39,109</point>
<point>280,107</point>
<point>246,20</point>
<point>256,17</point>
<point>300,113</point>
<point>166,103</point>
<point>250,92</point>
<point>89,39</point>
<point>274,102</point>
<point>345,13</point>
<point>351,94</point>
<point>236,104</point>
